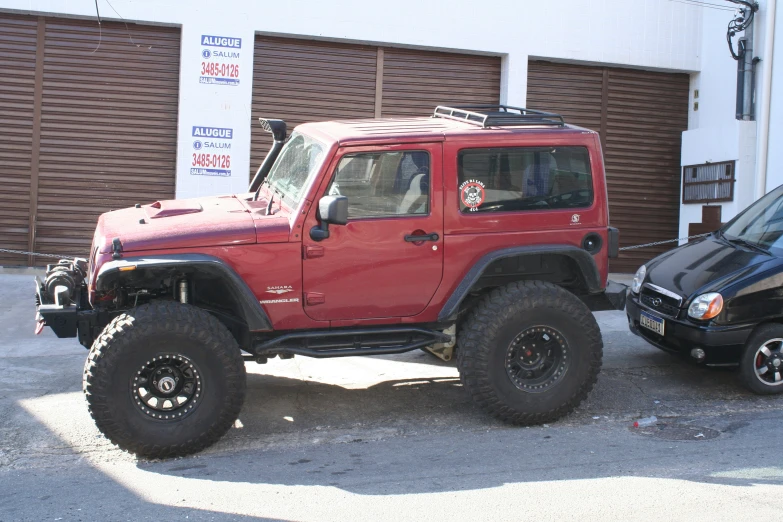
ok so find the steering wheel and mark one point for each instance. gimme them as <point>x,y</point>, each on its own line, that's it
<point>334,190</point>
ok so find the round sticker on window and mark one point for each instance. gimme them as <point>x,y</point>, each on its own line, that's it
<point>471,192</point>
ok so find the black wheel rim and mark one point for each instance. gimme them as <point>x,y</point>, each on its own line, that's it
<point>167,387</point>
<point>537,359</point>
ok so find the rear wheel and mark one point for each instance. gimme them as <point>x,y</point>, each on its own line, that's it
<point>761,366</point>
<point>164,380</point>
<point>529,352</point>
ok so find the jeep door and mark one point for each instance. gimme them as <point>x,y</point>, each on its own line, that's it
<point>387,261</point>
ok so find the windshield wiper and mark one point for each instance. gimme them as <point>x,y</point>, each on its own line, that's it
<point>265,182</point>
<point>272,199</point>
<point>748,244</point>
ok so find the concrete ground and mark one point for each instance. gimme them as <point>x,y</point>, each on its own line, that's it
<point>393,438</point>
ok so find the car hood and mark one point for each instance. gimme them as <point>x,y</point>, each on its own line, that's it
<point>188,223</point>
<point>704,266</point>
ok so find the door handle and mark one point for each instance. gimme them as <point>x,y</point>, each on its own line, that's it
<point>424,237</point>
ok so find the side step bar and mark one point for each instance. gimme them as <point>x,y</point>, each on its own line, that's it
<point>346,343</point>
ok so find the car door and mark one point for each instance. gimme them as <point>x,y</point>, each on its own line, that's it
<point>387,261</point>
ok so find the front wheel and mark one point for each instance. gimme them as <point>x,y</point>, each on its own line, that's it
<point>761,366</point>
<point>529,352</point>
<point>164,380</point>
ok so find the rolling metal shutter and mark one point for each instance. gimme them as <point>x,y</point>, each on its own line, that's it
<point>108,126</point>
<point>304,80</point>
<point>307,80</point>
<point>415,82</point>
<point>641,116</point>
<point>18,38</point>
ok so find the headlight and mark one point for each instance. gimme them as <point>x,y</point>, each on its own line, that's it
<point>638,279</point>
<point>706,306</point>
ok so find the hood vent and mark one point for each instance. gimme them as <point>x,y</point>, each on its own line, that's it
<point>161,209</point>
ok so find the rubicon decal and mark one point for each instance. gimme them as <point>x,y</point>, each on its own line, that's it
<point>472,193</point>
<point>207,163</point>
<point>218,66</point>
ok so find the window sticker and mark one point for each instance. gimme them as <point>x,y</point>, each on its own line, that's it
<point>471,192</point>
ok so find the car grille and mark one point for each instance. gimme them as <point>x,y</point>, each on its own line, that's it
<point>660,302</point>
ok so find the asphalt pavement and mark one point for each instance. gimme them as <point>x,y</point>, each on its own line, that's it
<point>393,438</point>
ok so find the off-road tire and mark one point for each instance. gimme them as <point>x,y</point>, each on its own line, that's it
<point>139,335</point>
<point>494,323</point>
<point>747,368</point>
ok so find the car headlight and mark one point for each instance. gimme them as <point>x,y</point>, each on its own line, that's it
<point>638,279</point>
<point>706,306</point>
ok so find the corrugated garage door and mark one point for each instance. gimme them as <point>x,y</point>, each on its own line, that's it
<point>306,80</point>
<point>88,123</point>
<point>641,116</point>
<point>415,82</point>
<point>108,126</point>
<point>17,93</point>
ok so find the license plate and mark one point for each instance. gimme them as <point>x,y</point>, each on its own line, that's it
<point>651,322</point>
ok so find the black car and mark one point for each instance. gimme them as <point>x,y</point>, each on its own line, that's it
<point>719,300</point>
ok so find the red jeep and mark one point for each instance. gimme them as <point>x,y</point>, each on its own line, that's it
<point>481,231</point>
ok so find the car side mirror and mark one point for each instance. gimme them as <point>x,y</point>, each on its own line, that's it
<point>331,210</point>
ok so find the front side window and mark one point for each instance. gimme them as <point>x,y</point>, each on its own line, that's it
<point>761,224</point>
<point>383,184</point>
<point>293,170</point>
<point>524,178</point>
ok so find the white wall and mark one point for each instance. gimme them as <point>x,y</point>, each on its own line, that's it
<point>775,155</point>
<point>714,134</point>
<point>659,34</point>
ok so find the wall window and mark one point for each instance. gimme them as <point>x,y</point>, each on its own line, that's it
<point>382,184</point>
<point>524,178</point>
<point>708,183</point>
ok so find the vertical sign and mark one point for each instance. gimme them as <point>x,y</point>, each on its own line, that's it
<point>220,60</point>
<point>215,100</point>
<point>211,151</point>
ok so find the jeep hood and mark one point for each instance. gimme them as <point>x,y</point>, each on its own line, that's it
<point>704,266</point>
<point>189,223</point>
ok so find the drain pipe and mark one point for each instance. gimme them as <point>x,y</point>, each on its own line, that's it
<point>769,49</point>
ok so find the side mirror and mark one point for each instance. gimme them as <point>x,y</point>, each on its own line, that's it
<point>331,210</point>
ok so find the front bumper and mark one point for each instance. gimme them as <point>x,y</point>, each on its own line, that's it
<point>61,318</point>
<point>722,344</point>
<point>612,298</point>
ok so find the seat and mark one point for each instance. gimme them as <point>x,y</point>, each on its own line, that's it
<point>415,199</point>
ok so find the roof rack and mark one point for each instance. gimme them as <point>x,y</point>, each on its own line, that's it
<point>498,115</point>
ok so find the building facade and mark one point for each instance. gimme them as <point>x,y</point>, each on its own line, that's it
<point>161,99</point>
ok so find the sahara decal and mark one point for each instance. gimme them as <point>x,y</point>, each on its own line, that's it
<point>279,289</point>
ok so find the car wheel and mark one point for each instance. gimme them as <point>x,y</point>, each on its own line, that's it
<point>164,380</point>
<point>529,352</point>
<point>761,366</point>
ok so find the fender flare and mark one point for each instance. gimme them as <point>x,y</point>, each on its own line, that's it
<point>253,314</point>
<point>584,262</point>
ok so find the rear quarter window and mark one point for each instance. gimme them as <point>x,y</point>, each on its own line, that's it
<point>524,178</point>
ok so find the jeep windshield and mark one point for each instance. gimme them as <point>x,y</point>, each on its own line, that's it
<point>298,162</point>
<point>760,226</point>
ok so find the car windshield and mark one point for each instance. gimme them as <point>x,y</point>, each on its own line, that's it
<point>295,167</point>
<point>761,224</point>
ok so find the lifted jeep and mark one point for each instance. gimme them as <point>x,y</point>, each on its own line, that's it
<point>480,231</point>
